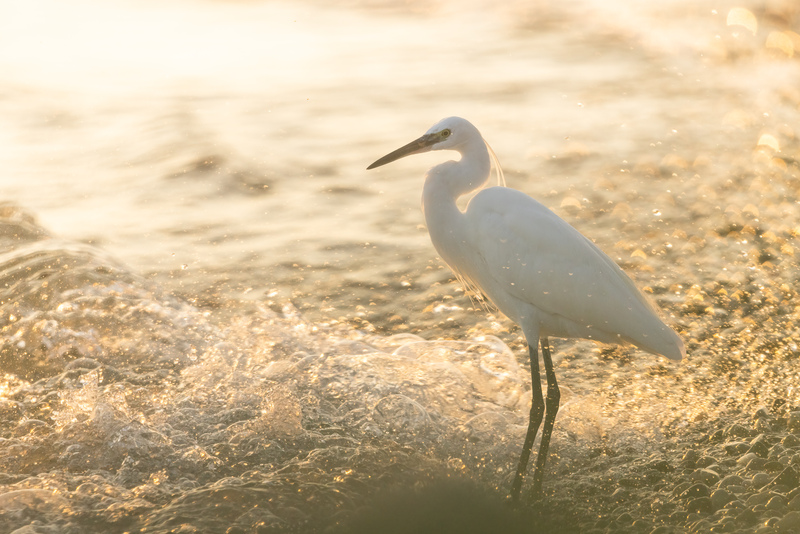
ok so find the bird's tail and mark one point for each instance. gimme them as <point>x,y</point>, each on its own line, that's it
<point>667,343</point>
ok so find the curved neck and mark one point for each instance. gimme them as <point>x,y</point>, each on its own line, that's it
<point>443,185</point>
<point>457,178</point>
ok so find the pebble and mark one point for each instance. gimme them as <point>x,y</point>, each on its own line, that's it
<point>705,461</point>
<point>680,488</point>
<point>759,447</point>
<point>620,494</point>
<point>727,512</point>
<point>761,479</point>
<point>624,519</point>
<point>778,502</point>
<point>757,463</point>
<point>705,476</point>
<point>777,488</point>
<point>690,457</point>
<point>714,467</point>
<point>788,477</point>
<point>734,448</point>
<point>758,498</point>
<point>794,421</point>
<point>730,480</point>
<point>790,441</point>
<point>761,413</point>
<point>726,524</point>
<point>660,507</point>
<point>741,431</point>
<point>661,466</point>
<point>700,505</point>
<point>678,516</point>
<point>747,517</point>
<point>697,490</point>
<point>700,526</point>
<point>720,498</point>
<point>779,405</point>
<point>776,450</point>
<point>762,425</point>
<point>789,523</point>
<point>736,503</point>
<point>746,458</point>
<point>694,517</point>
<point>774,465</point>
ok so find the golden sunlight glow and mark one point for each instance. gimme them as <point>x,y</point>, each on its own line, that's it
<point>739,118</point>
<point>769,140</point>
<point>240,43</point>
<point>739,16</point>
<point>782,41</point>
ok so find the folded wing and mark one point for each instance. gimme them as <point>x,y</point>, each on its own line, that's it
<point>524,253</point>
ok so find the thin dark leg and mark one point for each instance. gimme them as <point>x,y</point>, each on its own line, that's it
<point>553,398</point>
<point>537,411</point>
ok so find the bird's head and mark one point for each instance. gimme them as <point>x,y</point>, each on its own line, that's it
<point>447,134</point>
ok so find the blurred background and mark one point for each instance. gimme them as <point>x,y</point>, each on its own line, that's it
<point>220,147</point>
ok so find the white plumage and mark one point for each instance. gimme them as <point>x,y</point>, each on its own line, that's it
<point>537,269</point>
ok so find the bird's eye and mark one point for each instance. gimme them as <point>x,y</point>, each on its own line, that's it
<point>445,134</point>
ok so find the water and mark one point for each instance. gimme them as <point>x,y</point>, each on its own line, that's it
<point>208,304</point>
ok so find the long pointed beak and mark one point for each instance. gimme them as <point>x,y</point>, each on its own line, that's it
<point>418,146</point>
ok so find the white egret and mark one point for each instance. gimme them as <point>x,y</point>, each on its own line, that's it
<point>537,269</point>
